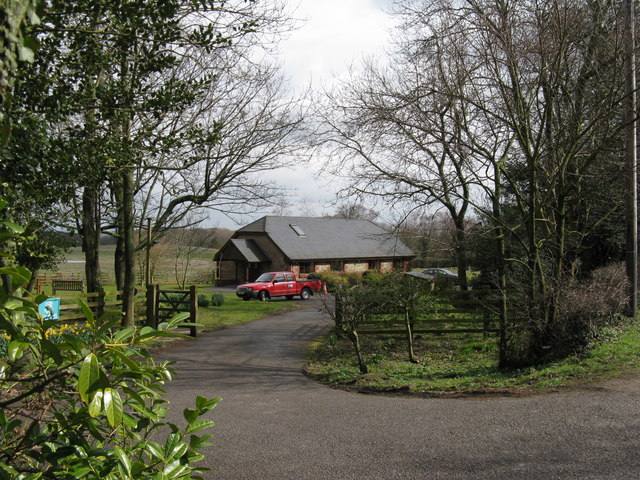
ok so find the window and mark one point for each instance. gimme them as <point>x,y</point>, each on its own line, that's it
<point>265,277</point>
<point>298,230</point>
<point>288,277</point>
<point>279,278</point>
<point>305,267</point>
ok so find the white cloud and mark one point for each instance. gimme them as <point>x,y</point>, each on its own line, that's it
<point>336,34</point>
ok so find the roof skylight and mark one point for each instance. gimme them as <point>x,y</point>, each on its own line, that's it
<point>298,230</point>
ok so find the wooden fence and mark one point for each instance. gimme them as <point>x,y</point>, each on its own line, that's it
<point>50,282</point>
<point>452,312</point>
<point>99,302</point>
<point>152,305</point>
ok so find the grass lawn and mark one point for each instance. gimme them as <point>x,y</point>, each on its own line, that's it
<point>235,311</point>
<point>464,364</point>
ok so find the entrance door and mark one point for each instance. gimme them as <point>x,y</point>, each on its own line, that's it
<point>253,272</point>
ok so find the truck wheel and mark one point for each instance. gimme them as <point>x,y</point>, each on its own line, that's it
<point>262,296</point>
<point>305,294</point>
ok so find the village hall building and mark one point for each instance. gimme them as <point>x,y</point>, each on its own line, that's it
<point>305,245</point>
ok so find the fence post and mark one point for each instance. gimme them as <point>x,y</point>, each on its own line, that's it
<point>152,305</point>
<point>193,308</point>
<point>408,319</point>
<point>100,300</point>
<point>337,297</point>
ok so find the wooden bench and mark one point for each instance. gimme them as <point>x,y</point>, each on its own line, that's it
<point>67,285</point>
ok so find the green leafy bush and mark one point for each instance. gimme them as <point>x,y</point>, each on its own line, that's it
<point>217,299</point>
<point>87,404</point>
<point>582,309</point>
<point>203,300</point>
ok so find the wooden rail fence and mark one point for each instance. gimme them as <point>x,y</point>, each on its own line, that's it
<point>453,312</point>
<point>98,302</point>
<point>152,306</point>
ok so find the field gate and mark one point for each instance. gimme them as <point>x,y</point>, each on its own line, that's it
<point>164,304</point>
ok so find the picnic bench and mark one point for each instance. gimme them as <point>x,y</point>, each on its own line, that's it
<point>67,285</point>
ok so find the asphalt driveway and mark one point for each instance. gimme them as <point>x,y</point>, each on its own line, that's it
<point>274,423</point>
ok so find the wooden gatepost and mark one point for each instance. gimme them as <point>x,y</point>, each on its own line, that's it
<point>162,305</point>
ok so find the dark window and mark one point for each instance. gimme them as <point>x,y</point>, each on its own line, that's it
<point>305,267</point>
<point>337,267</point>
<point>289,277</point>
<point>279,278</point>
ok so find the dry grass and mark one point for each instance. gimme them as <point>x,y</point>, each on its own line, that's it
<point>200,267</point>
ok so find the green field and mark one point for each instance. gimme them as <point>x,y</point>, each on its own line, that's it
<point>169,264</point>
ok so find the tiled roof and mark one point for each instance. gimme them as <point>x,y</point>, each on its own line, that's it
<point>250,250</point>
<point>309,238</point>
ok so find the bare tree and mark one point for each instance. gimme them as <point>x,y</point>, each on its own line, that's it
<point>542,96</point>
<point>184,248</point>
<point>431,236</point>
<point>354,210</point>
<point>513,108</point>
<point>401,141</point>
<point>352,304</point>
<point>249,126</point>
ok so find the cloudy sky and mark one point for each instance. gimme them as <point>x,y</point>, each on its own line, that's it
<point>333,35</point>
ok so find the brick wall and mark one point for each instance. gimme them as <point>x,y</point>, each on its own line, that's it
<point>356,267</point>
<point>386,266</point>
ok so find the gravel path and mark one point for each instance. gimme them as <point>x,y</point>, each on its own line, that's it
<point>274,423</point>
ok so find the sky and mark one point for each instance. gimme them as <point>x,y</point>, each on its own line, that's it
<point>333,35</point>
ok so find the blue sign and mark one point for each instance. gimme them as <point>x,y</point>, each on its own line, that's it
<point>50,309</point>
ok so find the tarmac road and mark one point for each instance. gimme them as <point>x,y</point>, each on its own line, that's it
<point>274,423</point>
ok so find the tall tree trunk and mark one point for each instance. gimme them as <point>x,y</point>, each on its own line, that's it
<point>91,238</point>
<point>501,268</point>
<point>128,288</point>
<point>631,159</point>
<point>6,246</point>
<point>118,257</point>
<point>461,253</point>
<point>118,261</point>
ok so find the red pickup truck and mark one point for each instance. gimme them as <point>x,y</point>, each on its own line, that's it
<point>278,284</point>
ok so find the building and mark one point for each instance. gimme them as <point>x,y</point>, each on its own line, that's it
<point>306,245</point>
